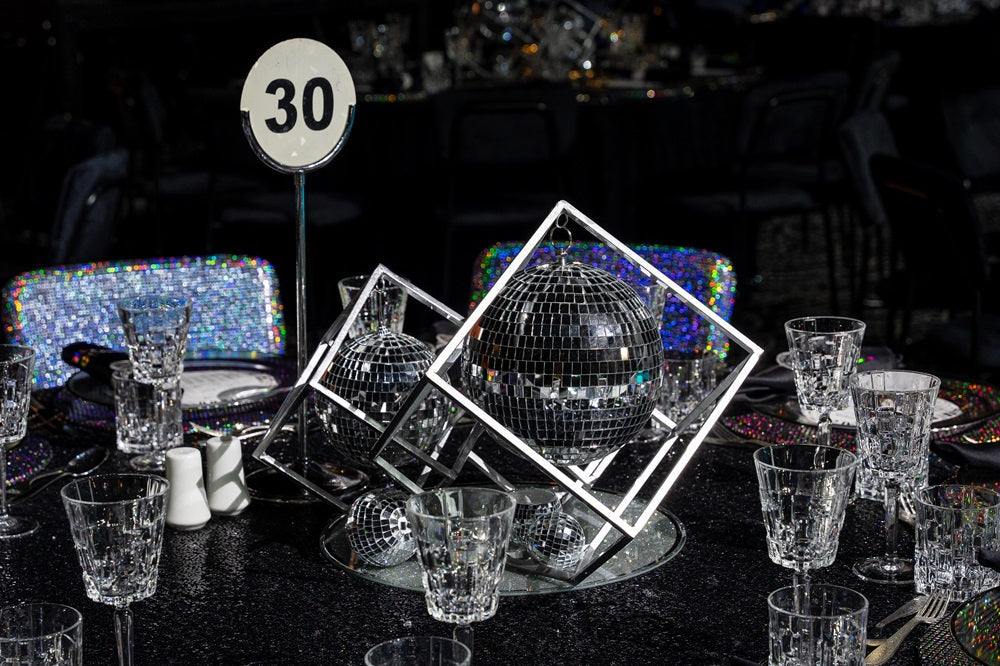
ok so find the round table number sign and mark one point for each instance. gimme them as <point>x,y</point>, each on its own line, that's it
<point>298,105</point>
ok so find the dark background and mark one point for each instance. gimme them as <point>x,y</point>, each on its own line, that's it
<point>67,65</point>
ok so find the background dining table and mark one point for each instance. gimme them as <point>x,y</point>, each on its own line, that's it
<point>258,589</point>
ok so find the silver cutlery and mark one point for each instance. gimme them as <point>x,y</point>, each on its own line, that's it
<point>909,608</point>
<point>249,431</point>
<point>933,609</point>
<point>81,464</point>
<point>907,510</point>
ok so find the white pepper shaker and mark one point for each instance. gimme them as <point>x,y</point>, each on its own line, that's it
<point>227,486</point>
<point>187,504</point>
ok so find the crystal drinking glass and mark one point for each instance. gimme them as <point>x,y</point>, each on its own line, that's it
<point>824,354</point>
<point>804,490</point>
<point>953,523</point>
<point>688,378</point>
<point>117,525</point>
<point>41,634</point>
<point>893,410</point>
<point>16,366</point>
<point>826,627</point>
<point>654,297</point>
<point>461,536</point>
<point>156,333</point>
<point>148,417</point>
<point>419,651</point>
<point>386,305</point>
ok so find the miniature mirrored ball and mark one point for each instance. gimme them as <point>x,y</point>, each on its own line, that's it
<point>557,541</point>
<point>375,373</point>
<point>531,503</point>
<point>377,528</point>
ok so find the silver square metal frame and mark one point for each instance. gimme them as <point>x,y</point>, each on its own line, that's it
<point>576,480</point>
<point>309,381</point>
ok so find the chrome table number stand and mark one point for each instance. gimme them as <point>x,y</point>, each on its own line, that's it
<point>297,108</point>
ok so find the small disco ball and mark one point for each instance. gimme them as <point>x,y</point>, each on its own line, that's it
<point>375,373</point>
<point>377,528</point>
<point>557,541</point>
<point>569,359</point>
<point>531,504</point>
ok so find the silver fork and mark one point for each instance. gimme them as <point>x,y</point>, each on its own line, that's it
<point>909,608</point>
<point>933,610</point>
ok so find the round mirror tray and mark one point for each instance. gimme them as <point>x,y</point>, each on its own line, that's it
<point>658,542</point>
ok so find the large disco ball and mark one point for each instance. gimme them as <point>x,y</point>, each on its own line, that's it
<point>569,359</point>
<point>375,373</point>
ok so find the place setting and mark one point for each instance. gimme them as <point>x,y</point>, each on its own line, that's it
<point>806,486</point>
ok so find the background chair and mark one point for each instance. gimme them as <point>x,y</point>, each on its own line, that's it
<point>864,134</point>
<point>784,166</point>
<point>89,208</point>
<point>69,196</point>
<point>236,309</point>
<point>707,275</point>
<point>972,128</point>
<point>941,257</point>
<point>872,90</point>
<point>502,165</point>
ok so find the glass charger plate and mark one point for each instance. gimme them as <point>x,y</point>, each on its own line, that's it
<point>28,458</point>
<point>223,394</point>
<point>938,647</point>
<point>975,625</point>
<point>660,540</point>
<point>782,422</point>
<point>945,412</point>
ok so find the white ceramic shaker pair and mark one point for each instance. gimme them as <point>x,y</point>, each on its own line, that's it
<point>189,505</point>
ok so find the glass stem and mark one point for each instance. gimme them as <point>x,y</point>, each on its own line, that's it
<point>801,582</point>
<point>123,634</point>
<point>3,482</point>
<point>891,519</point>
<point>463,634</point>
<point>823,428</point>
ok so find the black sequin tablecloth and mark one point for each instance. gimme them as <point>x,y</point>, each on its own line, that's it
<point>255,589</point>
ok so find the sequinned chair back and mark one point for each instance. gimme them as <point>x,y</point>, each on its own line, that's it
<point>236,308</point>
<point>707,275</point>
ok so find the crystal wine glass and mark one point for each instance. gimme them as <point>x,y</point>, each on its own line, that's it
<point>117,525</point>
<point>824,354</point>
<point>386,305</point>
<point>654,297</point>
<point>156,334</point>
<point>461,536</point>
<point>893,410</point>
<point>16,366</point>
<point>804,490</point>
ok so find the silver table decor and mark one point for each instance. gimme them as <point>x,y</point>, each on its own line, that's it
<point>558,454</point>
<point>377,528</point>
<point>557,541</point>
<point>319,380</point>
<point>569,359</point>
<point>374,373</point>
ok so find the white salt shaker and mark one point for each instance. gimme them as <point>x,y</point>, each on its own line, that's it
<point>187,503</point>
<point>227,486</point>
